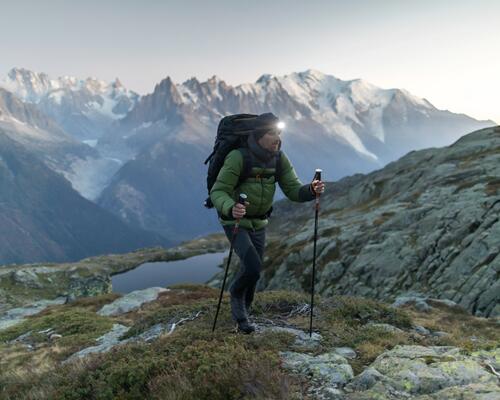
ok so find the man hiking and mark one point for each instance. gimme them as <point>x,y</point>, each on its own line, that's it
<point>264,145</point>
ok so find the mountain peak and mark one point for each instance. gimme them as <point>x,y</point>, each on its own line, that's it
<point>165,84</point>
<point>166,81</point>
<point>265,78</point>
<point>23,74</point>
<point>117,83</point>
<point>313,73</point>
<point>214,78</point>
<point>191,81</point>
<point>16,71</point>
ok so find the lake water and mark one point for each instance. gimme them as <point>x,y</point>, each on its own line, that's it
<point>197,269</point>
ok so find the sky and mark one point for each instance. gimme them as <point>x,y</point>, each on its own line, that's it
<point>445,51</point>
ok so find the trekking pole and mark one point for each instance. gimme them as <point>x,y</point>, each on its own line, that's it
<point>242,198</point>
<point>317,176</point>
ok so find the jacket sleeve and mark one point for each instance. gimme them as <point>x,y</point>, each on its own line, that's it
<point>291,185</point>
<point>222,191</point>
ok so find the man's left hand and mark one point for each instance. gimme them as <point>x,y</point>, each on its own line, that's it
<point>318,186</point>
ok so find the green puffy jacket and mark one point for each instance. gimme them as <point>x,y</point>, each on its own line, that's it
<point>260,190</point>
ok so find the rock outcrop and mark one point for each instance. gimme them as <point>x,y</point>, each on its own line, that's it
<point>425,373</point>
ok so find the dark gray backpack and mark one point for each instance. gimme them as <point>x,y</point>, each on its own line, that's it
<point>232,133</point>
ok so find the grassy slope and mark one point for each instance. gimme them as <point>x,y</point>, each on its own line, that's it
<point>192,362</point>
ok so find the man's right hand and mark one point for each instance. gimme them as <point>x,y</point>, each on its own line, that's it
<point>239,210</point>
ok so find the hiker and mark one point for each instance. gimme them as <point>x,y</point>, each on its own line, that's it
<point>264,146</point>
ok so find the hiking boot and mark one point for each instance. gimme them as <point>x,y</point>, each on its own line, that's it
<point>245,327</point>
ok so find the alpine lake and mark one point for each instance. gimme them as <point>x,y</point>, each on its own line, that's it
<point>196,269</point>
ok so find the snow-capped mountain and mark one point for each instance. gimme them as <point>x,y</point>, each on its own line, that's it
<point>82,165</point>
<point>40,134</point>
<point>156,141</point>
<point>344,127</point>
<point>352,113</point>
<point>42,218</point>
<point>83,107</point>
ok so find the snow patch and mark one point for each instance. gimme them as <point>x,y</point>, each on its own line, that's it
<point>187,95</point>
<point>17,121</point>
<point>90,142</point>
<point>56,96</point>
<point>91,176</point>
<point>145,125</point>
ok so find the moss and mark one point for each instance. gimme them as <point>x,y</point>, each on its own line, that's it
<point>385,216</point>
<point>331,231</point>
<point>358,309</point>
<point>493,187</point>
<point>18,295</point>
<point>278,301</point>
<point>94,303</point>
<point>473,158</point>
<point>194,362</point>
<point>333,253</point>
<point>413,239</point>
<point>79,328</point>
<point>275,254</point>
<point>464,330</point>
<point>189,287</point>
<point>167,316</point>
<point>190,363</point>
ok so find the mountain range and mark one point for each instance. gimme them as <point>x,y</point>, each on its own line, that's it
<point>42,218</point>
<point>141,157</point>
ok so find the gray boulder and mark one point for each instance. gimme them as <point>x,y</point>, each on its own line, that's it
<point>418,372</point>
<point>16,315</point>
<point>328,369</point>
<point>131,301</point>
<point>105,343</point>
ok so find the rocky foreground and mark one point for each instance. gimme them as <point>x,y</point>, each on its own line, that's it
<point>427,224</point>
<point>158,343</point>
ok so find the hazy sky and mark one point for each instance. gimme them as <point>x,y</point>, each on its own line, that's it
<point>445,51</point>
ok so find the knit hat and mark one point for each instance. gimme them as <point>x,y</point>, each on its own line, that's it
<point>264,123</point>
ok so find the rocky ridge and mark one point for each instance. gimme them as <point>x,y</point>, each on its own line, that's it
<point>427,224</point>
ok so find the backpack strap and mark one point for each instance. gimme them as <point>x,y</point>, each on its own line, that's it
<point>247,164</point>
<point>278,167</point>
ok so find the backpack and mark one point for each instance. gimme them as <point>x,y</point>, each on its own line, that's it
<point>232,133</point>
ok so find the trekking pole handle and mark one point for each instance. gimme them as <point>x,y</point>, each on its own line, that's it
<point>241,199</point>
<point>317,174</point>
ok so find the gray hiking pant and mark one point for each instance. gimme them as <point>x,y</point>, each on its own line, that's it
<point>249,245</point>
